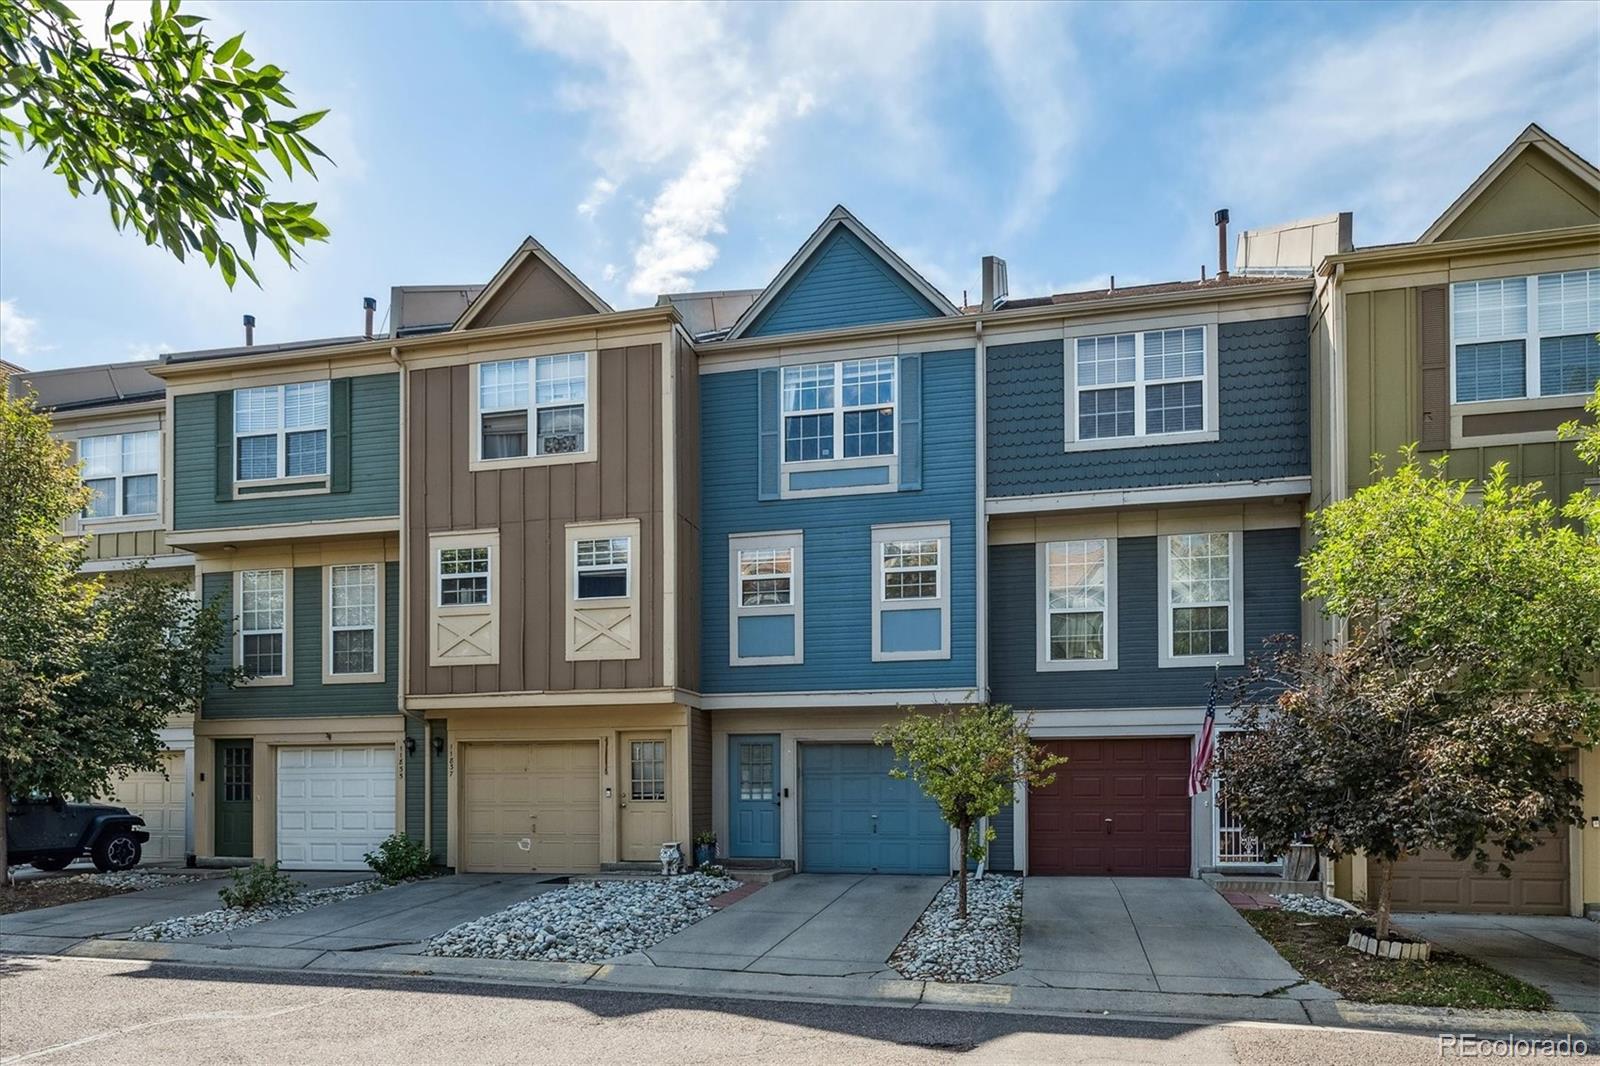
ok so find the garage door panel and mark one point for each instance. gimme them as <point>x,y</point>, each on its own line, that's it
<point>163,803</point>
<point>335,804</point>
<point>531,806</point>
<point>1433,881</point>
<point>855,818</point>
<point>1118,806</point>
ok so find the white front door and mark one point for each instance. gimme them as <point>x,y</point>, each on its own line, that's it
<point>335,804</point>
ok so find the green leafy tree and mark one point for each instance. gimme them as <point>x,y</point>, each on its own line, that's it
<point>174,131</point>
<point>90,670</point>
<point>968,760</point>
<point>1446,718</point>
<point>1585,506</point>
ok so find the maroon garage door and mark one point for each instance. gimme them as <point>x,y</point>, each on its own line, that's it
<point>1116,807</point>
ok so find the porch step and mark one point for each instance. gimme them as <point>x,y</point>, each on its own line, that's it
<point>1261,884</point>
<point>757,871</point>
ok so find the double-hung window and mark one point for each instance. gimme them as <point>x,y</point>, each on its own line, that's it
<point>1078,611</point>
<point>1151,383</point>
<point>123,472</point>
<point>281,431</point>
<point>533,407</point>
<point>765,593</point>
<point>839,410</point>
<point>464,577</point>
<point>353,604</point>
<point>1202,592</point>
<point>1526,337</point>
<point>603,568</point>
<point>263,622</point>
<point>910,569</point>
<point>911,592</point>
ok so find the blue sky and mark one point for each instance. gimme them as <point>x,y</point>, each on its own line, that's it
<point>664,148</point>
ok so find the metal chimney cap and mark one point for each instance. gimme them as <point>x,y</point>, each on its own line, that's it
<point>1220,217</point>
<point>249,320</point>
<point>369,303</point>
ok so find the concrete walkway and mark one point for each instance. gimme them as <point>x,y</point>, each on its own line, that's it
<point>1142,934</point>
<point>823,925</point>
<point>1560,955</point>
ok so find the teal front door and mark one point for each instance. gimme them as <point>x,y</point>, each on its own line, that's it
<point>753,797</point>
<point>235,806</point>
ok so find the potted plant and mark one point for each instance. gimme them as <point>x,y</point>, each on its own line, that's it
<point>705,848</point>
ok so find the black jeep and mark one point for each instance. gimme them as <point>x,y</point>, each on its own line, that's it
<point>50,832</point>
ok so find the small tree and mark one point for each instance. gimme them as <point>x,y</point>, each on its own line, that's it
<point>1445,720</point>
<point>1585,506</point>
<point>968,760</point>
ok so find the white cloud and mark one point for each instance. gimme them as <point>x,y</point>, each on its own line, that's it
<point>601,190</point>
<point>18,332</point>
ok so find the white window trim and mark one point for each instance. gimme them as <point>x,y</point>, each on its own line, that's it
<point>377,672</point>
<point>838,411</point>
<point>1235,656</point>
<point>1139,439</point>
<point>590,403</point>
<point>1042,615</point>
<point>1530,347</point>
<point>594,628</point>
<point>475,625</point>
<point>578,570</point>
<point>287,677</point>
<point>881,535</point>
<point>120,476</point>
<point>439,576</point>
<point>794,540</point>
<point>283,477</point>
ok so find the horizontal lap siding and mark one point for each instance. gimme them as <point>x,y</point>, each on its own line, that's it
<point>374,465</point>
<point>439,791</point>
<point>1263,395</point>
<point>416,798</point>
<point>838,542</point>
<point>843,284</point>
<point>1271,607</point>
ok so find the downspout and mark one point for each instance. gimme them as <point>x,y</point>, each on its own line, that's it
<point>981,359</point>
<point>405,620</point>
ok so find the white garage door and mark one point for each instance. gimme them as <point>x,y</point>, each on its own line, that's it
<point>162,801</point>
<point>334,805</point>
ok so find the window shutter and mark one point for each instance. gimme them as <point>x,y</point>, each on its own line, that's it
<point>224,447</point>
<point>910,422</point>
<point>339,435</point>
<point>1433,362</point>
<point>769,458</point>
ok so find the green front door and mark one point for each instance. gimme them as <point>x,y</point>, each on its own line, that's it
<point>235,780</point>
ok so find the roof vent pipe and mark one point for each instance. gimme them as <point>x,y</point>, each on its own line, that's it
<point>249,330</point>
<point>1221,219</point>
<point>369,305</point>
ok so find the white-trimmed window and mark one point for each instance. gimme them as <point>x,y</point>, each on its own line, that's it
<point>839,410</point>
<point>911,592</point>
<point>464,577</point>
<point>533,407</point>
<point>1077,604</point>
<point>1526,337</point>
<point>765,593</point>
<point>280,431</point>
<point>354,602</point>
<point>1144,384</point>
<point>123,470</point>
<point>603,568</point>
<point>1202,594</point>
<point>263,622</point>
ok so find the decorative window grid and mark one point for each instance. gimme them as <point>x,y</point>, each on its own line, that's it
<point>280,431</point>
<point>1525,337</point>
<point>839,410</point>
<point>263,621</point>
<point>353,619</point>
<point>123,472</point>
<point>550,393</point>
<point>1150,383</point>
<point>1077,600</point>
<point>604,566</point>
<point>463,577</point>
<point>648,777</point>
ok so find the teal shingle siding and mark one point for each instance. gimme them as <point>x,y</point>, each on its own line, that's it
<point>415,791</point>
<point>1271,607</point>
<point>438,802</point>
<point>1264,428</point>
<point>308,696</point>
<point>844,283</point>
<point>374,465</point>
<point>838,541</point>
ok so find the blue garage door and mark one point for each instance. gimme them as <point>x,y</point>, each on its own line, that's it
<point>855,818</point>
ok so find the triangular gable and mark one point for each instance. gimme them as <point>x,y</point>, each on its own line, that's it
<point>843,275</point>
<point>531,286</point>
<point>1537,183</point>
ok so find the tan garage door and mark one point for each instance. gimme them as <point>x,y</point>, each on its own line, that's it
<point>1435,882</point>
<point>530,806</point>
<point>163,804</point>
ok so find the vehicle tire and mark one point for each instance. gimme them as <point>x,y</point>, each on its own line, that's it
<point>115,851</point>
<point>52,863</point>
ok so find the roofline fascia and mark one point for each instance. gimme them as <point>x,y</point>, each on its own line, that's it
<point>1465,246</point>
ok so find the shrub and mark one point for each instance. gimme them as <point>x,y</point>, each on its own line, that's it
<point>398,858</point>
<point>258,885</point>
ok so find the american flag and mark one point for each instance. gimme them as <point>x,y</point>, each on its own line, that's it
<point>1199,769</point>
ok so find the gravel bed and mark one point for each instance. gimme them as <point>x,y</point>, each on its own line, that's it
<point>225,918</point>
<point>135,880</point>
<point>587,921</point>
<point>1316,905</point>
<point>989,943</point>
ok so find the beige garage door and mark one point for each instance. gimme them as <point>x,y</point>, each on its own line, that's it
<point>530,806</point>
<point>1435,882</point>
<point>163,804</point>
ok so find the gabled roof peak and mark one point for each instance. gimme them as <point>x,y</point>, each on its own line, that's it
<point>528,249</point>
<point>1533,137</point>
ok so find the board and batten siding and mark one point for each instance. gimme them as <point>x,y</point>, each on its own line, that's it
<point>374,465</point>
<point>838,541</point>
<point>125,544</point>
<point>439,790</point>
<point>1264,419</point>
<point>844,283</point>
<point>1271,607</point>
<point>307,697</point>
<point>532,506</point>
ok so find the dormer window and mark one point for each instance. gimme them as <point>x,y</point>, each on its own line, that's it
<point>837,410</point>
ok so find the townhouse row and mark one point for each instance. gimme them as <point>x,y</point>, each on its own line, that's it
<point>544,584</point>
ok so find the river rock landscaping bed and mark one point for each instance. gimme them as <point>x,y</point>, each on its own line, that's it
<point>1322,908</point>
<point>940,947</point>
<point>587,921</point>
<point>225,918</point>
<point>138,880</point>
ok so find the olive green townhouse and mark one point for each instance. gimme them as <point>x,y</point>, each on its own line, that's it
<point>1475,341</point>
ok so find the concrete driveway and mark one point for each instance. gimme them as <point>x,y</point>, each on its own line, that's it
<point>1560,955</point>
<point>818,925</point>
<point>1151,934</point>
